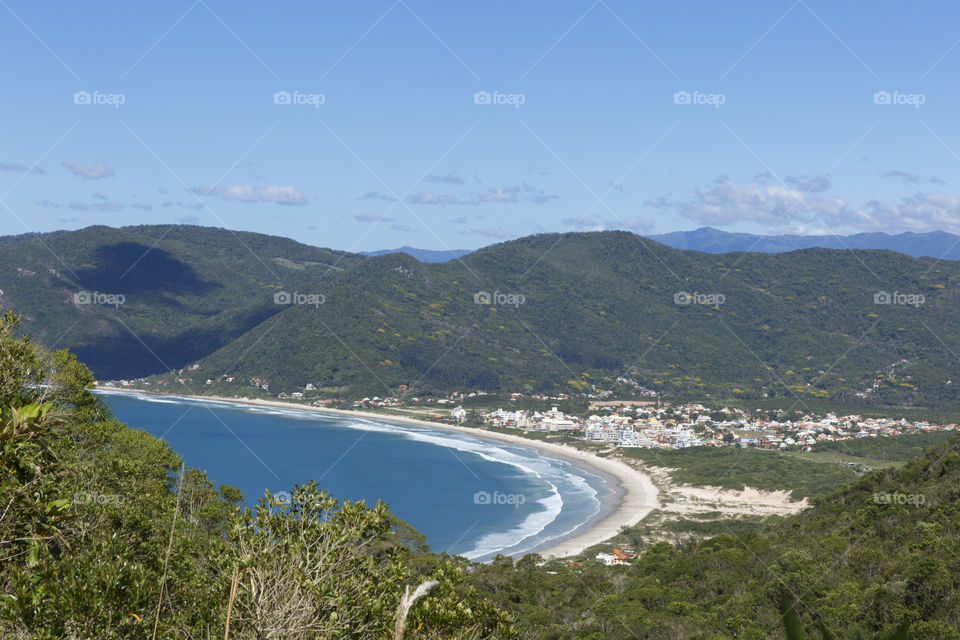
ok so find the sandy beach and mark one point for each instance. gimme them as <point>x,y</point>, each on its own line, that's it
<point>638,494</point>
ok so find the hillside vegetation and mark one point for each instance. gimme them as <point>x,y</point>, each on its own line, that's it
<point>798,327</point>
<point>183,291</point>
<point>569,313</point>
<point>866,559</point>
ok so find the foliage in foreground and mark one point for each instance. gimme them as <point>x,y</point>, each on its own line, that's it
<point>104,534</point>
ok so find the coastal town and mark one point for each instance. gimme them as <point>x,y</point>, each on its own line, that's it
<point>634,423</point>
<point>694,425</point>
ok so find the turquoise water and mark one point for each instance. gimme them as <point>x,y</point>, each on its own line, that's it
<point>470,496</point>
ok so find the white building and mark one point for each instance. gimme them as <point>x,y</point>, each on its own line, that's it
<point>630,438</point>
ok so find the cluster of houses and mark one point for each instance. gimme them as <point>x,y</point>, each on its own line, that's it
<point>617,557</point>
<point>694,425</point>
<point>552,420</point>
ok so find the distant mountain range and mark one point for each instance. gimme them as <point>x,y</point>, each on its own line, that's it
<point>423,255</point>
<point>934,244</point>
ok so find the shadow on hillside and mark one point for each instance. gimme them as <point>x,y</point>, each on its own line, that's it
<point>131,267</point>
<point>124,356</point>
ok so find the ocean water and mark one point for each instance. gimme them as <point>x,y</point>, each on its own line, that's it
<point>470,496</point>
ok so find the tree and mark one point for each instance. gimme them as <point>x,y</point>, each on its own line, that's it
<point>309,567</point>
<point>99,537</point>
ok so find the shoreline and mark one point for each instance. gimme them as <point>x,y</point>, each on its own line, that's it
<point>638,494</point>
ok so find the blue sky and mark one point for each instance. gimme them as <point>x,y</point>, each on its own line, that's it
<point>767,117</point>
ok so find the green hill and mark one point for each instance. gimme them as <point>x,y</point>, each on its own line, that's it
<point>882,551</point>
<point>571,313</point>
<point>186,290</point>
<point>596,306</point>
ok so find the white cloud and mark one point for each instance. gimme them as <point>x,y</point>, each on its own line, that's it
<point>778,206</point>
<point>508,194</point>
<point>91,172</point>
<point>367,217</point>
<point>103,207</point>
<point>237,192</point>
<point>633,224</point>
<point>814,184</point>
<point>19,168</point>
<point>182,205</point>
<point>376,195</point>
<point>728,203</point>
<point>432,198</point>
<point>918,212</point>
<point>905,176</point>
<point>496,234</point>
<point>585,224</point>
<point>446,178</point>
<point>912,178</point>
<point>280,194</point>
<point>511,194</point>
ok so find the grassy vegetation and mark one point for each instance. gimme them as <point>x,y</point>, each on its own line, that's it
<point>831,457</point>
<point>735,468</point>
<point>660,525</point>
<point>711,527</point>
<point>896,449</point>
<point>873,453</point>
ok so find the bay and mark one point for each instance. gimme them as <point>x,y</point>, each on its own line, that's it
<point>470,496</point>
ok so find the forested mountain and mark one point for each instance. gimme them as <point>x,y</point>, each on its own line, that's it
<point>140,300</point>
<point>556,313</point>
<point>572,312</point>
